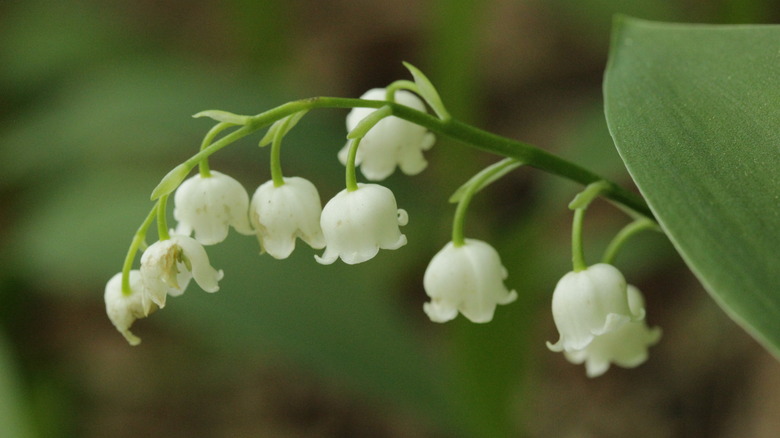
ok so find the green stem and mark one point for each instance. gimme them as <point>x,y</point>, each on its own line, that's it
<point>451,128</point>
<point>162,220</point>
<point>136,243</point>
<point>626,233</point>
<point>276,158</point>
<point>356,135</point>
<point>577,250</point>
<point>203,165</point>
<point>351,174</point>
<point>399,85</point>
<point>477,183</point>
<point>579,204</point>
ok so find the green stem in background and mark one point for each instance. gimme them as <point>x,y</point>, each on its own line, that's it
<point>626,233</point>
<point>474,185</point>
<point>579,204</point>
<point>477,138</point>
<point>203,165</point>
<point>162,220</point>
<point>135,244</point>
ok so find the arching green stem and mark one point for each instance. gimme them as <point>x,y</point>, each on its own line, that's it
<point>203,165</point>
<point>162,220</point>
<point>399,85</point>
<point>351,177</point>
<point>276,158</point>
<point>135,244</point>
<point>452,128</point>
<point>626,233</point>
<point>579,204</point>
<point>356,135</point>
<point>474,185</point>
<point>577,250</point>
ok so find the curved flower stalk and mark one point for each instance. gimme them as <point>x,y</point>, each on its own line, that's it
<point>588,304</point>
<point>625,346</point>
<point>281,214</point>
<point>167,267</point>
<point>209,206</point>
<point>391,142</point>
<point>357,224</point>
<point>123,309</point>
<point>467,278</point>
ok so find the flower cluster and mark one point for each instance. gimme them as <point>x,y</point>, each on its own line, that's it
<point>599,316</point>
<point>601,320</point>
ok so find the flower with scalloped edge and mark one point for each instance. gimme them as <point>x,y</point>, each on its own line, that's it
<point>625,346</point>
<point>357,224</point>
<point>467,278</point>
<point>588,304</point>
<point>123,309</point>
<point>209,206</point>
<point>280,214</point>
<point>391,142</point>
<point>167,267</point>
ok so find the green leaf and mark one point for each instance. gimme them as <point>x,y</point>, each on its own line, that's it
<point>695,113</point>
<point>428,91</point>
<point>223,116</point>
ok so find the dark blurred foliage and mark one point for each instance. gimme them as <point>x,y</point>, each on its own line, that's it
<point>95,99</point>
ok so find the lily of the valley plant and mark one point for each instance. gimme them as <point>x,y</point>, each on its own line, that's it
<point>601,319</point>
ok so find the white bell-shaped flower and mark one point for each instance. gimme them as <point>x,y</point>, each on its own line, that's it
<point>357,224</point>
<point>123,309</point>
<point>209,206</point>
<point>391,142</point>
<point>167,267</point>
<point>280,214</point>
<point>626,346</point>
<point>468,278</point>
<point>588,304</point>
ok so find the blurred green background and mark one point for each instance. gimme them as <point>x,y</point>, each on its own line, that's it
<point>95,105</point>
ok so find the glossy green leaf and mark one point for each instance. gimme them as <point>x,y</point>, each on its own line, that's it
<point>695,113</point>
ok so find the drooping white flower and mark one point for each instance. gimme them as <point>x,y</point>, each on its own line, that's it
<point>280,214</point>
<point>357,224</point>
<point>391,142</point>
<point>209,206</point>
<point>626,346</point>
<point>468,278</point>
<point>588,304</point>
<point>167,267</point>
<point>123,309</point>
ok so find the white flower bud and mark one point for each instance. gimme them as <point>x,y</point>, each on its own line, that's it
<point>168,265</point>
<point>280,214</point>
<point>209,206</point>
<point>123,309</point>
<point>357,224</point>
<point>588,304</point>
<point>391,142</point>
<point>469,279</point>
<point>626,346</point>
